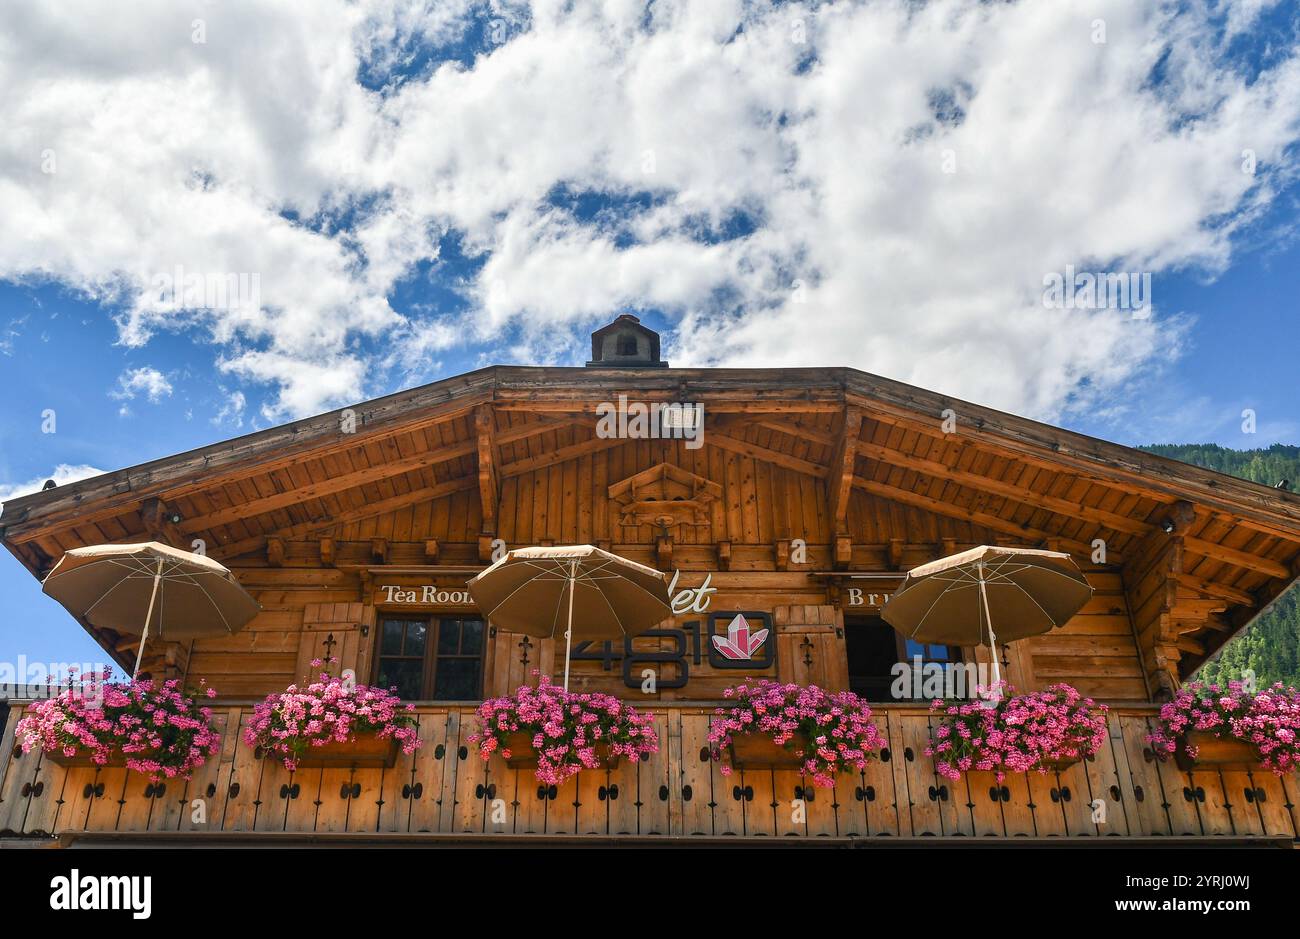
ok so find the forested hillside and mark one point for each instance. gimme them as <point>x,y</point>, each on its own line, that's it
<point>1271,647</point>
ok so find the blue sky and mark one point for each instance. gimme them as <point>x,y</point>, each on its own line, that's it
<point>424,190</point>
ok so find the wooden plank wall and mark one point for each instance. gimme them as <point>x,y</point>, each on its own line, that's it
<point>1095,651</point>
<point>306,600</point>
<point>568,503</point>
<point>445,787</point>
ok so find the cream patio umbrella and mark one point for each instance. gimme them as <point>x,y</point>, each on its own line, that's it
<point>150,589</point>
<point>957,599</point>
<point>543,591</point>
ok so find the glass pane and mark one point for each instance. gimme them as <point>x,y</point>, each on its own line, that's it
<point>392,639</point>
<point>416,634</point>
<point>402,673</point>
<point>449,637</point>
<point>471,637</point>
<point>457,680</point>
<point>914,648</point>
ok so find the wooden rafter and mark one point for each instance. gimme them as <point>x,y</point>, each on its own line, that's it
<point>171,477</point>
<point>489,483</point>
<point>839,474</point>
<point>562,455</point>
<point>370,510</point>
<point>725,441</point>
<point>336,484</point>
<point>972,480</point>
<point>159,522</point>
<point>1243,559</point>
<point>975,516</point>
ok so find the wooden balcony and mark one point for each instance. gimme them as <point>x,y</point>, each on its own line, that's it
<point>445,791</point>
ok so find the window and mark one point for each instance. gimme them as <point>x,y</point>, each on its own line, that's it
<point>874,649</point>
<point>626,345</point>
<point>431,660</point>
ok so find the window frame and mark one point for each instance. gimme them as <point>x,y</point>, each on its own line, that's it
<point>429,667</point>
<point>860,620</point>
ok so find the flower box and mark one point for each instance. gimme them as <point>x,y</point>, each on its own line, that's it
<point>759,751</point>
<point>523,756</point>
<point>164,732</point>
<point>366,750</point>
<point>1003,732</point>
<point>333,723</point>
<point>1052,766</point>
<point>83,758</point>
<point>607,728</point>
<point>1224,753</point>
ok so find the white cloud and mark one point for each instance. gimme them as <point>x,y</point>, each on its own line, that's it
<point>146,381</point>
<point>753,160</point>
<point>62,474</point>
<point>232,409</point>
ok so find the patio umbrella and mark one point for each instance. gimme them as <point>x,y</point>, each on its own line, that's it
<point>150,589</point>
<point>956,600</point>
<point>543,591</point>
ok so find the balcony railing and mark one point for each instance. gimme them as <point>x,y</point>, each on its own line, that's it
<point>446,789</point>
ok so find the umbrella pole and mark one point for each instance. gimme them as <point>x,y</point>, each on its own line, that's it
<point>988,618</point>
<point>568,632</point>
<point>148,616</point>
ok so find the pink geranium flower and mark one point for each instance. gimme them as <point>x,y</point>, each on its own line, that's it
<point>159,730</point>
<point>1269,721</point>
<point>1003,731</point>
<point>330,710</point>
<point>830,732</point>
<point>564,727</point>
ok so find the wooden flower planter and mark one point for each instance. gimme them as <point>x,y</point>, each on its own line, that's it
<point>1224,753</point>
<point>82,758</point>
<point>758,751</point>
<point>523,756</point>
<point>366,750</point>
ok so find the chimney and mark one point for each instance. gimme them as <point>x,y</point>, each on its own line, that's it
<point>625,343</point>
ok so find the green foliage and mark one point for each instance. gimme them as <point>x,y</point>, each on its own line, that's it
<point>1271,646</point>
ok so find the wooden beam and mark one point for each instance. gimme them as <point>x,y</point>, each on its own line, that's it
<point>431,551</point>
<point>327,552</point>
<point>244,511</point>
<point>1129,470</point>
<point>290,532</point>
<point>275,552</point>
<point>1250,562</point>
<point>839,474</point>
<point>986,519</point>
<point>664,552</point>
<point>103,497</point>
<point>379,550</point>
<point>562,455</point>
<point>1022,494</point>
<point>755,452</point>
<point>537,426</point>
<point>161,522</point>
<point>724,555</point>
<point>842,549</point>
<point>489,483</point>
<point>1213,589</point>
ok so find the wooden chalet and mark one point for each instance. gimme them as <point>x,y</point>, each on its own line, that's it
<point>802,501</point>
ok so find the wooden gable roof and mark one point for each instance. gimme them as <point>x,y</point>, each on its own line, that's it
<point>867,447</point>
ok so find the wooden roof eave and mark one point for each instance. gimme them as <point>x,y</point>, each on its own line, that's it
<point>230,459</point>
<point>542,390</point>
<point>1272,511</point>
